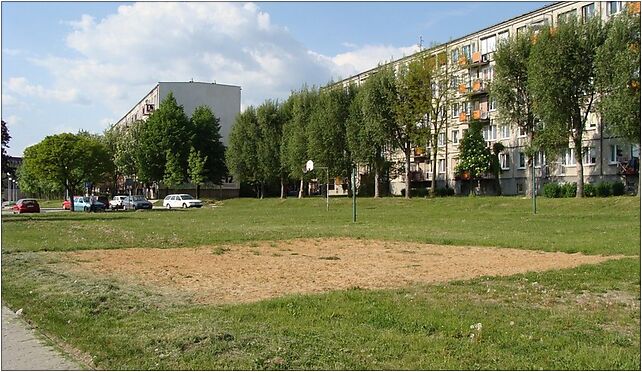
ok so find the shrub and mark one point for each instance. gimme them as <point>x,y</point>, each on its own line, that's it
<point>618,188</point>
<point>603,189</point>
<point>444,191</point>
<point>552,190</point>
<point>421,192</point>
<point>589,190</point>
<point>569,190</point>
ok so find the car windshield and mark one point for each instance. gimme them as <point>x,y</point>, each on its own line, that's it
<point>138,198</point>
<point>186,197</point>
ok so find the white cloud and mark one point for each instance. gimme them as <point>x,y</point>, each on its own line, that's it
<point>21,86</point>
<point>124,54</point>
<point>13,121</point>
<point>12,52</point>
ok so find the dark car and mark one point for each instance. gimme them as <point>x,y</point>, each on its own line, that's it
<point>136,202</point>
<point>26,206</point>
<point>104,199</point>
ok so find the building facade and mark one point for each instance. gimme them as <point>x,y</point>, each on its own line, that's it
<point>605,157</point>
<point>223,100</point>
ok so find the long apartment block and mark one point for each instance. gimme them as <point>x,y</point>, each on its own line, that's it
<point>471,56</point>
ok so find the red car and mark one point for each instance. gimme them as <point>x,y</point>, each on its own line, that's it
<point>26,206</point>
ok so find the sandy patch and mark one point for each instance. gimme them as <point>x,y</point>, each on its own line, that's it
<point>245,273</point>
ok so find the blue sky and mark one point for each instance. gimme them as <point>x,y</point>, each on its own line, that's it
<point>82,65</point>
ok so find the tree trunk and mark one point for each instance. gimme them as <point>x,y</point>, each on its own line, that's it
<point>198,191</point>
<point>407,154</point>
<point>262,190</point>
<point>301,189</point>
<point>376,180</point>
<point>282,188</point>
<point>528,187</point>
<point>433,185</point>
<point>579,166</point>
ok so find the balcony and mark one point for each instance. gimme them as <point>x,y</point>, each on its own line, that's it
<point>480,115</point>
<point>633,7</point>
<point>463,88</point>
<point>479,87</point>
<point>462,117</point>
<point>419,153</point>
<point>463,61</point>
<point>476,57</point>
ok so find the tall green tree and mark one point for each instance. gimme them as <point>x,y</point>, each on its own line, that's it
<point>206,139</point>
<point>563,85</point>
<point>65,160</point>
<point>196,169</point>
<point>411,106</point>
<point>241,155</point>
<point>174,174</point>
<point>294,150</point>
<point>327,144</point>
<point>166,129</point>
<point>270,122</point>
<point>5,144</point>
<point>510,89</point>
<point>618,76</point>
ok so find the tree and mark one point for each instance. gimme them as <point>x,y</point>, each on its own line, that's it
<point>410,106</point>
<point>270,124</point>
<point>166,129</point>
<point>173,170</point>
<point>436,96</point>
<point>562,83</point>
<point>618,76</point>
<point>294,151</point>
<point>511,91</point>
<point>241,155</point>
<point>371,119</point>
<point>474,156</point>
<point>5,144</point>
<point>327,144</point>
<point>206,139</point>
<point>65,161</point>
<point>196,169</point>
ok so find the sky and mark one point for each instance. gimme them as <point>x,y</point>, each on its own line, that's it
<point>68,66</point>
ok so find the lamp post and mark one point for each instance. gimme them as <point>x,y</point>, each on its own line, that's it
<point>534,185</point>
<point>354,194</point>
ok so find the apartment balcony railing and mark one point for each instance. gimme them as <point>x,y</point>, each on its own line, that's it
<point>480,115</point>
<point>463,88</point>
<point>463,117</point>
<point>479,87</point>
<point>633,7</point>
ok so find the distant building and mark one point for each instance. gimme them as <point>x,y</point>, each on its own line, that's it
<point>225,103</point>
<point>223,100</point>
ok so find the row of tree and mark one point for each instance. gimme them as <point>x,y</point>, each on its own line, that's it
<point>168,147</point>
<point>546,82</point>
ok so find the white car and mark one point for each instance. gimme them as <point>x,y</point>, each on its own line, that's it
<point>117,202</point>
<point>181,201</point>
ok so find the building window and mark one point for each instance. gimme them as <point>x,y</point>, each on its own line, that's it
<point>465,50</point>
<point>616,153</point>
<point>488,45</point>
<point>566,16</point>
<point>492,104</point>
<point>539,159</point>
<point>588,11</point>
<point>455,136</point>
<point>613,7</point>
<point>505,131</point>
<point>504,161</point>
<point>490,133</point>
<point>454,110</point>
<point>442,166</point>
<point>502,36</point>
<point>521,132</point>
<point>522,161</point>
<point>568,158</point>
<point>521,30</point>
<point>441,139</point>
<point>454,55</point>
<point>589,155</point>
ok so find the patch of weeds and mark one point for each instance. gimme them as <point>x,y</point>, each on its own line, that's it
<point>276,255</point>
<point>330,258</point>
<point>273,245</point>
<point>254,244</point>
<point>219,250</point>
<point>294,254</point>
<point>256,252</point>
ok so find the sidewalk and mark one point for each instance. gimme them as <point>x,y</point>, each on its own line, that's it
<point>23,350</point>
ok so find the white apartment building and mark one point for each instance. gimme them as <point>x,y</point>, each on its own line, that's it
<point>605,157</point>
<point>223,100</point>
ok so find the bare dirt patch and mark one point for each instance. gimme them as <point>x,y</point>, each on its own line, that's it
<point>246,273</point>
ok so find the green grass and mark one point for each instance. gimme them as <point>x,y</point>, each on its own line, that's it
<point>582,318</point>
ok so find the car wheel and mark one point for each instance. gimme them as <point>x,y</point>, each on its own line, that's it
<point>86,209</point>
<point>168,206</point>
<point>184,205</point>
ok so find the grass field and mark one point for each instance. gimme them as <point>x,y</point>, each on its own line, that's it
<point>586,317</point>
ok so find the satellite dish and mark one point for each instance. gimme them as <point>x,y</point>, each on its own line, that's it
<point>309,166</point>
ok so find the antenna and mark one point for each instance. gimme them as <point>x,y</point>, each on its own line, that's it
<point>421,42</point>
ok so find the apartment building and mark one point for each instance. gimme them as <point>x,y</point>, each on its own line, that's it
<point>605,157</point>
<point>225,103</point>
<point>223,100</point>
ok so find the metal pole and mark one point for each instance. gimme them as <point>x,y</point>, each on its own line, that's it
<point>327,190</point>
<point>534,189</point>
<point>354,197</point>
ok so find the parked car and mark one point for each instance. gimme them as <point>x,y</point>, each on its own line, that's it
<point>136,202</point>
<point>117,202</point>
<point>104,199</point>
<point>181,201</point>
<point>26,206</point>
<point>66,205</point>
<point>83,203</point>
